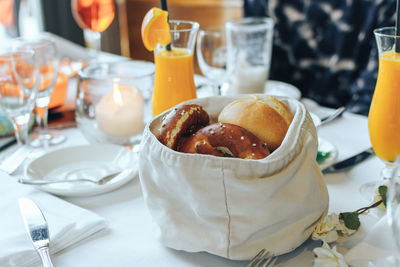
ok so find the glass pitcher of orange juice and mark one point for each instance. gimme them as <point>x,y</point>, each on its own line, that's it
<point>173,81</point>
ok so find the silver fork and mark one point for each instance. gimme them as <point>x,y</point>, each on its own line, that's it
<point>263,257</point>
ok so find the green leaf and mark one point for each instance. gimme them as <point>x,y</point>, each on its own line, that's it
<point>383,193</point>
<point>351,220</point>
<point>322,156</point>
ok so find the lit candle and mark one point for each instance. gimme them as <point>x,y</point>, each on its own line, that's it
<point>120,113</point>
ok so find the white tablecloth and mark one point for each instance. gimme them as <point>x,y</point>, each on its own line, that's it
<point>131,238</point>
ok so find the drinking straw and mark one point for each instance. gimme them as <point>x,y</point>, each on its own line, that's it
<point>165,7</point>
<point>397,45</point>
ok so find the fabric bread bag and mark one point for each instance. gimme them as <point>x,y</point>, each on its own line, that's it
<point>235,207</point>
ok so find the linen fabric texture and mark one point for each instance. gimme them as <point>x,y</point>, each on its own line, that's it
<point>234,207</point>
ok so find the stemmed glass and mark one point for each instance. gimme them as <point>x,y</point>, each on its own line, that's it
<point>93,17</point>
<point>211,56</point>
<point>384,114</point>
<point>393,204</point>
<point>18,89</point>
<point>47,59</point>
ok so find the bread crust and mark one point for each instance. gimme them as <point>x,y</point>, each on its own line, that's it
<point>224,139</point>
<point>264,116</point>
<point>182,121</point>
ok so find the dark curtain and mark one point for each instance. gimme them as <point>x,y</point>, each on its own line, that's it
<point>58,19</point>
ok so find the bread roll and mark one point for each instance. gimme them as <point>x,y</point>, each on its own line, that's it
<point>264,116</point>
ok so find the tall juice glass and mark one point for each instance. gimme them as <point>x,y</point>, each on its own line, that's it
<point>173,81</point>
<point>384,114</point>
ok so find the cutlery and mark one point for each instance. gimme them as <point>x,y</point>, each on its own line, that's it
<point>13,161</point>
<point>333,116</point>
<point>350,162</point>
<point>36,226</point>
<point>100,181</point>
<point>263,257</point>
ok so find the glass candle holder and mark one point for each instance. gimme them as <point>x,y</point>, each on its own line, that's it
<point>113,102</point>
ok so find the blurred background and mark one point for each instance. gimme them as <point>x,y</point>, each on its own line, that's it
<point>27,17</point>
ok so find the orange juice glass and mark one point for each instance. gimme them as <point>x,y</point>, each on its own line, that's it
<point>173,80</point>
<point>384,114</point>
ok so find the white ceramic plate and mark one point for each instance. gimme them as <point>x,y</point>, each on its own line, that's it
<point>281,89</point>
<point>96,160</point>
<point>325,146</point>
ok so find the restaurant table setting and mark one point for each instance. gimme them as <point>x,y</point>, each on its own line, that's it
<point>69,224</point>
<point>141,201</point>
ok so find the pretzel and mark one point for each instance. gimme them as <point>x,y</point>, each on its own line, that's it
<point>224,139</point>
<point>182,121</point>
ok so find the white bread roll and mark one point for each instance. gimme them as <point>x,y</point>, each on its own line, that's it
<point>264,116</point>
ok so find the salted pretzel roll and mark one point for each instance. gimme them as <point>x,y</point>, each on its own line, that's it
<point>264,116</point>
<point>224,139</point>
<point>182,121</point>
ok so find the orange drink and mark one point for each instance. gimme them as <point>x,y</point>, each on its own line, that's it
<point>173,82</point>
<point>384,115</point>
<point>173,44</point>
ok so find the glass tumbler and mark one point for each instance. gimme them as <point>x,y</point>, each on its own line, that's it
<point>249,49</point>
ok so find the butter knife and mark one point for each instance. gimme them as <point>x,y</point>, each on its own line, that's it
<point>350,162</point>
<point>36,226</point>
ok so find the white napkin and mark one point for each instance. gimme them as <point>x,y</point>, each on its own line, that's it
<point>68,224</point>
<point>376,246</point>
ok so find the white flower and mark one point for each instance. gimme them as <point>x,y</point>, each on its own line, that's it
<point>327,257</point>
<point>326,228</point>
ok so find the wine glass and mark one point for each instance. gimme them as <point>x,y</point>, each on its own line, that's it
<point>384,114</point>
<point>211,56</point>
<point>47,59</point>
<point>93,17</point>
<point>18,89</point>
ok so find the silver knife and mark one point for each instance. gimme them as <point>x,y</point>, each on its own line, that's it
<point>350,162</point>
<point>36,226</point>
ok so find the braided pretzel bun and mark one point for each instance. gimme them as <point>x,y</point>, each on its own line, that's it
<point>264,116</point>
<point>225,140</point>
<point>181,121</point>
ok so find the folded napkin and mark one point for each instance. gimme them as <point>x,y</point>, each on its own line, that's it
<point>377,246</point>
<point>68,224</point>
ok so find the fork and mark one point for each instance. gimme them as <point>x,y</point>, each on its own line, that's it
<point>263,257</point>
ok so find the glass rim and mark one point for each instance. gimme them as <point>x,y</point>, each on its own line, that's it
<point>194,26</point>
<point>241,23</point>
<point>34,42</point>
<point>213,30</point>
<point>10,55</point>
<point>380,32</point>
<point>113,77</point>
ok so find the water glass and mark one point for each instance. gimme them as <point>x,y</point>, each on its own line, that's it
<point>249,49</point>
<point>211,56</point>
<point>19,84</point>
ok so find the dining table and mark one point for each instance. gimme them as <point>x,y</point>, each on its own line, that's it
<point>131,235</point>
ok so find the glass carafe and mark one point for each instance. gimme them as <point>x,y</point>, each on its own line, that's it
<point>173,81</point>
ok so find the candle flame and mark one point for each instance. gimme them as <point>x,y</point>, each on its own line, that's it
<point>117,95</point>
